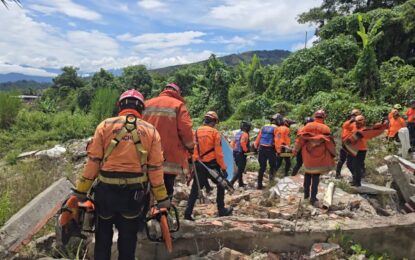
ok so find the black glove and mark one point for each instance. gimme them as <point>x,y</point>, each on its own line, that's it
<point>164,203</point>
<point>80,195</point>
<point>224,173</point>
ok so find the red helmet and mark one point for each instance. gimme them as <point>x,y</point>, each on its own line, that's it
<point>173,86</point>
<point>131,94</point>
<point>320,114</point>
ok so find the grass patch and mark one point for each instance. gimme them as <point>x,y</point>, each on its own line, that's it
<point>21,182</point>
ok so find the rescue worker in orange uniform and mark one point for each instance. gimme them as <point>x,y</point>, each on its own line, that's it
<point>410,114</point>
<point>282,144</point>
<point>168,113</point>
<point>396,122</point>
<point>299,157</point>
<point>347,128</point>
<point>318,151</point>
<point>241,146</point>
<point>125,155</point>
<point>265,144</point>
<point>208,150</point>
<point>356,144</point>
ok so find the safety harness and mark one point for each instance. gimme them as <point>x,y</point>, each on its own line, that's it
<point>130,127</point>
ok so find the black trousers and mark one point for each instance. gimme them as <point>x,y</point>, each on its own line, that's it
<point>358,167</point>
<point>169,183</point>
<point>311,180</point>
<point>411,129</point>
<point>343,158</point>
<point>203,176</point>
<point>240,160</point>
<point>298,163</point>
<point>125,208</point>
<point>266,154</point>
<point>287,164</point>
<point>127,237</point>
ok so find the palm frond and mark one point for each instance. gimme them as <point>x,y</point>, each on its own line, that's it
<point>6,2</point>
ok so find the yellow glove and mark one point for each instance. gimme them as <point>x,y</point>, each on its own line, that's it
<point>83,184</point>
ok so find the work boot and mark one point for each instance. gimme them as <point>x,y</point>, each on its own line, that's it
<point>189,217</point>
<point>314,202</point>
<point>338,175</point>
<point>225,212</point>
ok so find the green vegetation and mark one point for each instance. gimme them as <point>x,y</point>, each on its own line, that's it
<point>364,58</point>
<point>9,107</point>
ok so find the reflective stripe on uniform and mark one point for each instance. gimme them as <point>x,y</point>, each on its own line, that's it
<point>173,168</point>
<point>160,111</point>
<point>123,181</point>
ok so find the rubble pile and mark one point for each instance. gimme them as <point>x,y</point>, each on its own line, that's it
<point>284,200</point>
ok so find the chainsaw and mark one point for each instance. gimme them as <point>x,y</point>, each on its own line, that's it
<point>74,218</point>
<point>160,223</point>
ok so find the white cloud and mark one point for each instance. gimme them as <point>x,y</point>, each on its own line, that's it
<point>162,40</point>
<point>9,68</point>
<point>275,17</point>
<point>235,42</point>
<point>66,7</point>
<point>72,24</point>
<point>151,4</point>
<point>300,45</point>
<point>39,45</point>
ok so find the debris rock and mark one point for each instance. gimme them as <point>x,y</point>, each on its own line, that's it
<point>227,254</point>
<point>55,152</point>
<point>180,194</point>
<point>325,251</point>
<point>368,188</point>
<point>403,180</point>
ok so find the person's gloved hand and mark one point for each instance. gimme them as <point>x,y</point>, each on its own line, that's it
<point>81,196</point>
<point>224,173</point>
<point>164,204</point>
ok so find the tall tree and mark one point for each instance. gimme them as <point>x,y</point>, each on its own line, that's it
<point>68,78</point>
<point>103,78</point>
<point>366,71</point>
<point>217,82</point>
<point>137,77</point>
<point>332,8</point>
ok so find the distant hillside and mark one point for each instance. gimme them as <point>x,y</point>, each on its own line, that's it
<point>266,57</point>
<point>9,77</point>
<point>24,86</point>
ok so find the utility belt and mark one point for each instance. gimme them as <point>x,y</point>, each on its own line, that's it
<point>123,178</point>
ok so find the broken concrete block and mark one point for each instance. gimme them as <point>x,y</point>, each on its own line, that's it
<point>27,154</point>
<point>401,178</point>
<point>228,254</point>
<point>368,188</point>
<point>382,169</point>
<point>328,197</point>
<point>54,152</point>
<point>407,164</point>
<point>325,251</point>
<point>236,199</point>
<point>31,218</point>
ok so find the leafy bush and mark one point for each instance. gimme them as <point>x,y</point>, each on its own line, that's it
<point>9,107</point>
<point>338,105</point>
<point>37,130</point>
<point>256,108</point>
<point>103,104</point>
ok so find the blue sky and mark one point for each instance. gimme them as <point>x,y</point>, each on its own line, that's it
<point>45,35</point>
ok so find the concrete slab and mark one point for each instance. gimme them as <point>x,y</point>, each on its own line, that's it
<point>31,218</point>
<point>368,188</point>
<point>392,235</point>
<point>407,164</point>
<point>401,178</point>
